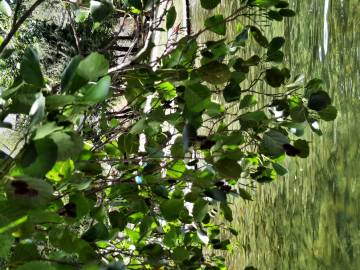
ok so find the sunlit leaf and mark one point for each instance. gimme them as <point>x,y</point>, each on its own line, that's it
<point>92,67</point>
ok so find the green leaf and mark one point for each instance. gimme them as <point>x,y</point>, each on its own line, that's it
<point>274,15</point>
<point>282,4</point>
<point>229,168</point>
<point>176,170</point>
<point>287,12</point>
<point>216,24</point>
<point>210,4</point>
<point>328,114</point>
<point>280,170</point>
<point>37,110</point>
<point>273,142</point>
<point>139,126</point>
<point>319,101</point>
<point>69,145</point>
<point>93,67</point>
<point>216,194</point>
<point>6,241</point>
<point>214,109</point>
<point>298,114</point>
<point>241,39</point>
<point>46,129</point>
<point>215,73</point>
<point>38,265</point>
<point>100,10</point>
<point>56,101</point>
<point>61,171</point>
<point>181,254</point>
<point>96,232</point>
<point>145,225</point>
<point>277,56</point>
<point>227,212</point>
<point>245,194</point>
<point>274,77</point>
<point>183,55</point>
<point>167,90</point>
<point>118,220</point>
<point>197,97</point>
<point>265,3</point>
<point>259,37</point>
<point>312,87</point>
<point>248,101</point>
<point>254,120</point>
<point>128,143</point>
<point>275,44</point>
<point>170,209</point>
<point>170,18</point>
<point>303,147</point>
<point>39,157</point>
<point>29,192</point>
<point>70,72</point>
<point>232,92</point>
<point>30,68</point>
<point>98,92</point>
<point>200,209</point>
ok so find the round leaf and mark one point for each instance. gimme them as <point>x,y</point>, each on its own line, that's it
<point>215,73</point>
<point>303,147</point>
<point>287,12</point>
<point>98,92</point>
<point>170,209</point>
<point>273,142</point>
<point>275,44</point>
<point>319,101</point>
<point>258,36</point>
<point>228,167</point>
<point>232,92</point>
<point>328,114</point>
<point>92,67</point>
<point>216,24</point>
<point>210,4</point>
<point>274,77</point>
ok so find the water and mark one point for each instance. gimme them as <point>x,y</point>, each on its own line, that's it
<point>310,219</point>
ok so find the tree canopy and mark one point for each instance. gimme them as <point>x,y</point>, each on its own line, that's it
<point>124,162</point>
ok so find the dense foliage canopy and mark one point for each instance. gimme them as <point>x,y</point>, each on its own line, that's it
<point>124,162</point>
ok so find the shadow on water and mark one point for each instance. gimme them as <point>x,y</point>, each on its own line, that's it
<point>310,219</point>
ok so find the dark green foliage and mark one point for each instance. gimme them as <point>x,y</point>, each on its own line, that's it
<point>170,18</point>
<point>96,178</point>
<point>216,24</point>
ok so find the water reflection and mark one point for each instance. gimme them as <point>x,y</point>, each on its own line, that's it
<point>310,219</point>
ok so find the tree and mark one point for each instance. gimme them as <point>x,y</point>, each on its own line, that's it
<point>92,185</point>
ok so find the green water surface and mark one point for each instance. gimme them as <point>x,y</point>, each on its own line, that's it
<point>310,219</point>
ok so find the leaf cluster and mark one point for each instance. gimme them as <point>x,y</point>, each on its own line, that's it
<point>141,185</point>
